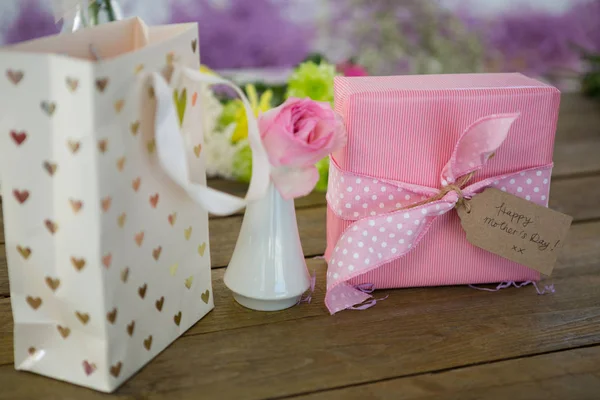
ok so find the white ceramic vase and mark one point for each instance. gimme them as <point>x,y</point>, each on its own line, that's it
<point>267,271</point>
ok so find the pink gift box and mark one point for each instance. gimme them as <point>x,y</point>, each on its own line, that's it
<point>402,131</point>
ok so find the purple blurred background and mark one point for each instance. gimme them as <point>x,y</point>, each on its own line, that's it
<point>538,37</point>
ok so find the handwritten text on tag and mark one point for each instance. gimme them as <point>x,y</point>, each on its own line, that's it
<point>514,228</point>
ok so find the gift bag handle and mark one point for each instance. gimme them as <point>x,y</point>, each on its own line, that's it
<point>171,148</point>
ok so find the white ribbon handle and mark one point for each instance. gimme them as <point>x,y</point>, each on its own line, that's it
<point>171,149</point>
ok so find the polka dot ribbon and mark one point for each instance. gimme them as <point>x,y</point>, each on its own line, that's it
<point>387,224</point>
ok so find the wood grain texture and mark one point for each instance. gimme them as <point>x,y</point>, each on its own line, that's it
<point>415,331</point>
<point>577,158</point>
<point>579,119</point>
<point>556,376</point>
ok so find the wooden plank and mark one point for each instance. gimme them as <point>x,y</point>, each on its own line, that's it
<point>577,158</point>
<point>415,331</point>
<point>573,374</point>
<point>578,197</point>
<point>579,119</point>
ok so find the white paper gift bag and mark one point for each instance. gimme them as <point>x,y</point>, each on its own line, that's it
<point>106,242</point>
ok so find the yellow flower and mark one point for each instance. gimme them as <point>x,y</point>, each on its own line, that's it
<point>258,105</point>
<point>206,70</point>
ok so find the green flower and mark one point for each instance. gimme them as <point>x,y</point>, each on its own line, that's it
<point>323,168</point>
<point>242,164</point>
<point>313,81</point>
<point>230,110</point>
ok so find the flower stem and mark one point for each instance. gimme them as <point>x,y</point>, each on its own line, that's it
<point>93,11</point>
<point>109,10</point>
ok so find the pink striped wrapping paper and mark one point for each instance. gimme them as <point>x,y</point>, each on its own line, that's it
<point>402,131</point>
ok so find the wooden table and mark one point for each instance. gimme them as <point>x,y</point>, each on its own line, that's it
<point>422,343</point>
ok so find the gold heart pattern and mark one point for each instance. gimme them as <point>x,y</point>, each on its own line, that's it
<point>202,249</point>
<point>188,282</point>
<point>121,163</point>
<point>50,167</point>
<point>34,302</point>
<point>48,107</point>
<point>124,275</point>
<point>21,195</point>
<point>135,127</point>
<point>25,252</point>
<point>119,104</point>
<point>103,145</point>
<point>15,76</point>
<point>154,200</point>
<point>76,205</point>
<point>21,138</point>
<point>148,342</point>
<point>51,226</point>
<point>112,316</point>
<point>115,370</point>
<point>205,296</point>
<point>172,218</point>
<point>151,145</point>
<point>64,331</point>
<point>142,290</point>
<point>136,184</point>
<point>78,263</point>
<point>107,260</point>
<point>156,253</point>
<point>170,58</point>
<point>74,146</point>
<point>89,368</point>
<point>52,283</point>
<point>180,103</point>
<point>159,303</point>
<point>121,220</point>
<point>130,328</point>
<point>72,84</point>
<point>101,84</point>
<point>106,202</point>
<point>83,317</point>
<point>139,238</point>
<point>18,137</point>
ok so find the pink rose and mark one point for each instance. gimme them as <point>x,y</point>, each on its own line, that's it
<point>296,135</point>
<point>350,69</point>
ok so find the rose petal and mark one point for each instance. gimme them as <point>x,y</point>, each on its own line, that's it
<point>294,182</point>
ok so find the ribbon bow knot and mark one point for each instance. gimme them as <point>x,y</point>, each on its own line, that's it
<point>387,221</point>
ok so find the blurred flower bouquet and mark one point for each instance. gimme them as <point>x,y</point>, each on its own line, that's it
<point>590,81</point>
<point>226,127</point>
